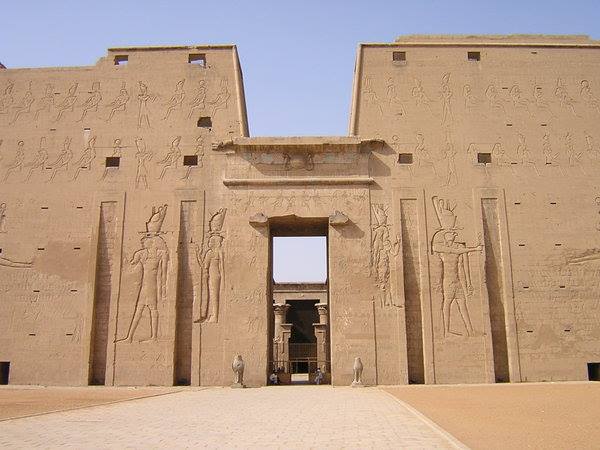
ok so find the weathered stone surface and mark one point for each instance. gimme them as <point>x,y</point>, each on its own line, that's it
<point>136,218</point>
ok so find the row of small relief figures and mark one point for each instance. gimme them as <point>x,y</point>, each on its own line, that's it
<point>56,109</point>
<point>523,156</point>
<point>494,100</point>
<point>66,164</point>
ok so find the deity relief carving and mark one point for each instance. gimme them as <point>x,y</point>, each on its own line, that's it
<point>2,217</point>
<point>562,94</point>
<point>62,162</point>
<point>7,98</point>
<point>221,100</point>
<point>394,103</point>
<point>588,96</point>
<point>68,103</point>
<point>446,96</point>
<point>457,287</point>
<point>39,160</point>
<point>144,97</point>
<point>92,102</point>
<point>383,249</point>
<point>171,160</point>
<point>119,104</point>
<point>421,98</point>
<point>211,260</point>
<point>199,100</point>
<point>152,260</point>
<point>176,100</point>
<point>17,164</point>
<point>370,96</point>
<point>88,155</point>
<point>46,103</point>
<point>24,107</point>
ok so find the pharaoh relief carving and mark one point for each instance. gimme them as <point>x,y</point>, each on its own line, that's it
<point>92,102</point>
<point>142,156</point>
<point>495,103</point>
<point>540,102</point>
<point>119,104</point>
<point>152,261</point>
<point>524,156</point>
<point>171,160</point>
<point>383,249</point>
<point>574,155</point>
<point>449,154</point>
<point>176,101</point>
<point>446,97</point>
<point>144,97</point>
<point>211,260</point>
<point>520,103</point>
<point>395,105</point>
<point>457,288</point>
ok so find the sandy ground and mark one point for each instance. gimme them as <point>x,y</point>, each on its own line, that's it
<point>18,401</point>
<point>505,416</point>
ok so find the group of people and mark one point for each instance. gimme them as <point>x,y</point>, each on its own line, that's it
<point>274,377</point>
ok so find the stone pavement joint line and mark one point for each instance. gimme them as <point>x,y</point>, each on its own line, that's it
<point>270,417</point>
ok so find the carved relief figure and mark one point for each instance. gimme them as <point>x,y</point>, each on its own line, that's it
<point>171,160</point>
<point>46,103</point>
<point>588,97</point>
<point>524,155</point>
<point>211,261</point>
<point>421,98</point>
<point>456,277</point>
<point>142,155</point>
<point>117,152</point>
<point>2,217</point>
<point>17,163</point>
<point>199,100</point>
<point>550,158</point>
<point>573,155</point>
<point>88,155</point>
<point>519,103</point>
<point>62,162</point>
<point>221,100</point>
<point>143,97</point>
<point>562,94</point>
<point>39,160</point>
<point>540,102</point>
<point>449,155</point>
<point>153,259</point>
<point>383,249</point>
<point>119,103</point>
<point>199,152</point>
<point>591,149</point>
<point>471,102</point>
<point>176,100</point>
<point>499,155</point>
<point>446,96</point>
<point>24,106</point>
<point>369,94</point>
<point>68,103</point>
<point>394,102</point>
<point>92,102</point>
<point>494,100</point>
<point>423,156</point>
<point>7,98</point>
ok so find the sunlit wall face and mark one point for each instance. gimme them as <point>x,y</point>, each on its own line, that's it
<point>300,259</point>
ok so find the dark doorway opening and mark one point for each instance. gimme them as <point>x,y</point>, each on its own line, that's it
<point>594,371</point>
<point>4,371</point>
<point>299,313</point>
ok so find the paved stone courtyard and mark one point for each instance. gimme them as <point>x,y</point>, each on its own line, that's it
<point>272,417</point>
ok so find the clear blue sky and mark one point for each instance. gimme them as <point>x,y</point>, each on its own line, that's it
<point>297,57</point>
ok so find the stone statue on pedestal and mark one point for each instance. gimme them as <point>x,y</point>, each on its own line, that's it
<point>357,369</point>
<point>238,372</point>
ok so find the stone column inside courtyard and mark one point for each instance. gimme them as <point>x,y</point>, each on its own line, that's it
<point>281,336</point>
<point>321,334</point>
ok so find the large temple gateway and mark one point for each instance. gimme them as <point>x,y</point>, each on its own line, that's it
<point>461,214</point>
